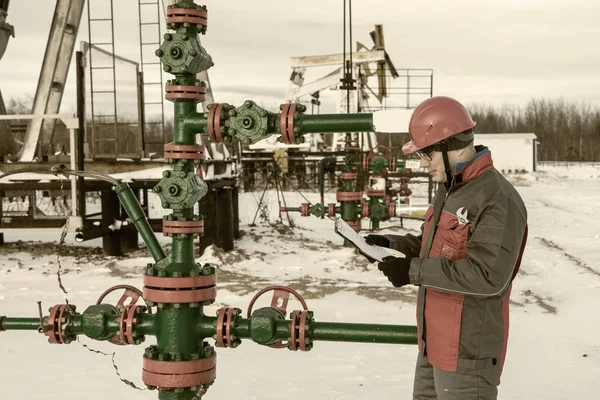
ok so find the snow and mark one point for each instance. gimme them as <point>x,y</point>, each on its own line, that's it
<point>554,348</point>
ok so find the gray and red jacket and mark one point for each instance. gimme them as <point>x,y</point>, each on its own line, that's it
<point>464,262</point>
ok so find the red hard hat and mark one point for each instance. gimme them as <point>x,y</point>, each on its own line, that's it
<point>434,120</point>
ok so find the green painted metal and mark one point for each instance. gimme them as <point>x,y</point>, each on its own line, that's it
<point>181,328</point>
<point>330,123</point>
<point>249,122</point>
<point>137,216</point>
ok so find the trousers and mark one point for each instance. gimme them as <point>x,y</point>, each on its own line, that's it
<point>432,383</point>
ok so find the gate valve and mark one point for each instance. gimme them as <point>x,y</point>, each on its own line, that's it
<point>129,310</point>
<point>262,326</point>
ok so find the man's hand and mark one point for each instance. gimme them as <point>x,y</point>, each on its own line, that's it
<point>377,240</point>
<point>396,270</point>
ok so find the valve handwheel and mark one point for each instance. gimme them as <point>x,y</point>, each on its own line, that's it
<point>280,292</point>
<point>131,292</point>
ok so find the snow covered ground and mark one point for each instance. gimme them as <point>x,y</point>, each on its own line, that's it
<point>554,347</point>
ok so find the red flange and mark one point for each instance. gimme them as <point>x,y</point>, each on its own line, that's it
<point>194,289</point>
<point>183,152</point>
<point>225,320</point>
<point>331,209</point>
<point>54,324</point>
<point>304,210</point>
<point>185,92</point>
<point>183,226</point>
<point>286,123</point>
<point>348,196</point>
<point>187,15</point>
<point>179,374</point>
<point>214,122</point>
<point>298,330</point>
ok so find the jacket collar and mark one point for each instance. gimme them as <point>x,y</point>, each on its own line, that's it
<point>481,162</point>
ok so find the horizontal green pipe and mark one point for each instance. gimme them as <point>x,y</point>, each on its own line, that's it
<point>19,324</point>
<point>365,333</point>
<point>135,212</point>
<point>326,331</point>
<point>323,123</point>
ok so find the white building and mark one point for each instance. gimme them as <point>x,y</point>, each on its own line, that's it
<point>511,152</point>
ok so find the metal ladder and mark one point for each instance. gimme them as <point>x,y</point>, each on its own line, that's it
<point>150,39</point>
<point>103,126</point>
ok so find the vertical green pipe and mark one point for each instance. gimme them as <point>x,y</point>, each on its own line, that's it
<point>184,110</point>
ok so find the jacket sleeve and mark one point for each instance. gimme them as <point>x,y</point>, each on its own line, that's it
<point>492,254</point>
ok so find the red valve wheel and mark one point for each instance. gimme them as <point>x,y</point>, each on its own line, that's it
<point>132,293</point>
<point>279,292</point>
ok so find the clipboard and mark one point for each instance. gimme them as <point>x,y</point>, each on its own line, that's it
<point>376,252</point>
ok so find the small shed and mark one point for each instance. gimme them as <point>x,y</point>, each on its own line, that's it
<point>511,152</point>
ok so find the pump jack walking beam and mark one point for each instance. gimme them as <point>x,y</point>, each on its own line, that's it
<point>55,67</point>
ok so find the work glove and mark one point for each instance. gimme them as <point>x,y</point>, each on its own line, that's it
<point>396,270</point>
<point>377,240</point>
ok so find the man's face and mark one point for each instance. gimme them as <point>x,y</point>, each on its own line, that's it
<point>435,166</point>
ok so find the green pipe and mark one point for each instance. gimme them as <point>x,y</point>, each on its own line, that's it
<point>364,333</point>
<point>19,324</point>
<point>324,123</point>
<point>323,331</point>
<point>135,212</point>
<point>187,122</point>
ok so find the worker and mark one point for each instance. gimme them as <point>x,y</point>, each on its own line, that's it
<point>464,261</point>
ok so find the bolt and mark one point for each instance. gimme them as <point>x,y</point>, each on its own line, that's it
<point>194,272</point>
<point>263,113</point>
<point>281,107</point>
<point>176,274</point>
<point>163,357</point>
<point>150,387</point>
<point>182,174</point>
<point>168,36</point>
<point>194,305</point>
<point>232,113</point>
<point>177,305</point>
<point>151,271</point>
<point>166,174</point>
<point>231,131</point>
<point>160,305</point>
<point>178,357</point>
<point>150,303</point>
<point>157,189</point>
<point>167,68</point>
<point>183,68</point>
<point>192,52</point>
<point>166,204</point>
<point>194,356</point>
<point>178,390</point>
<point>235,343</point>
<point>184,37</point>
<point>247,104</point>
<point>207,351</point>
<point>158,53</point>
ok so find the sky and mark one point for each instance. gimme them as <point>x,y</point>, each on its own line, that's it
<point>481,51</point>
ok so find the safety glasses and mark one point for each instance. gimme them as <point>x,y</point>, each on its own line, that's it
<point>426,153</point>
